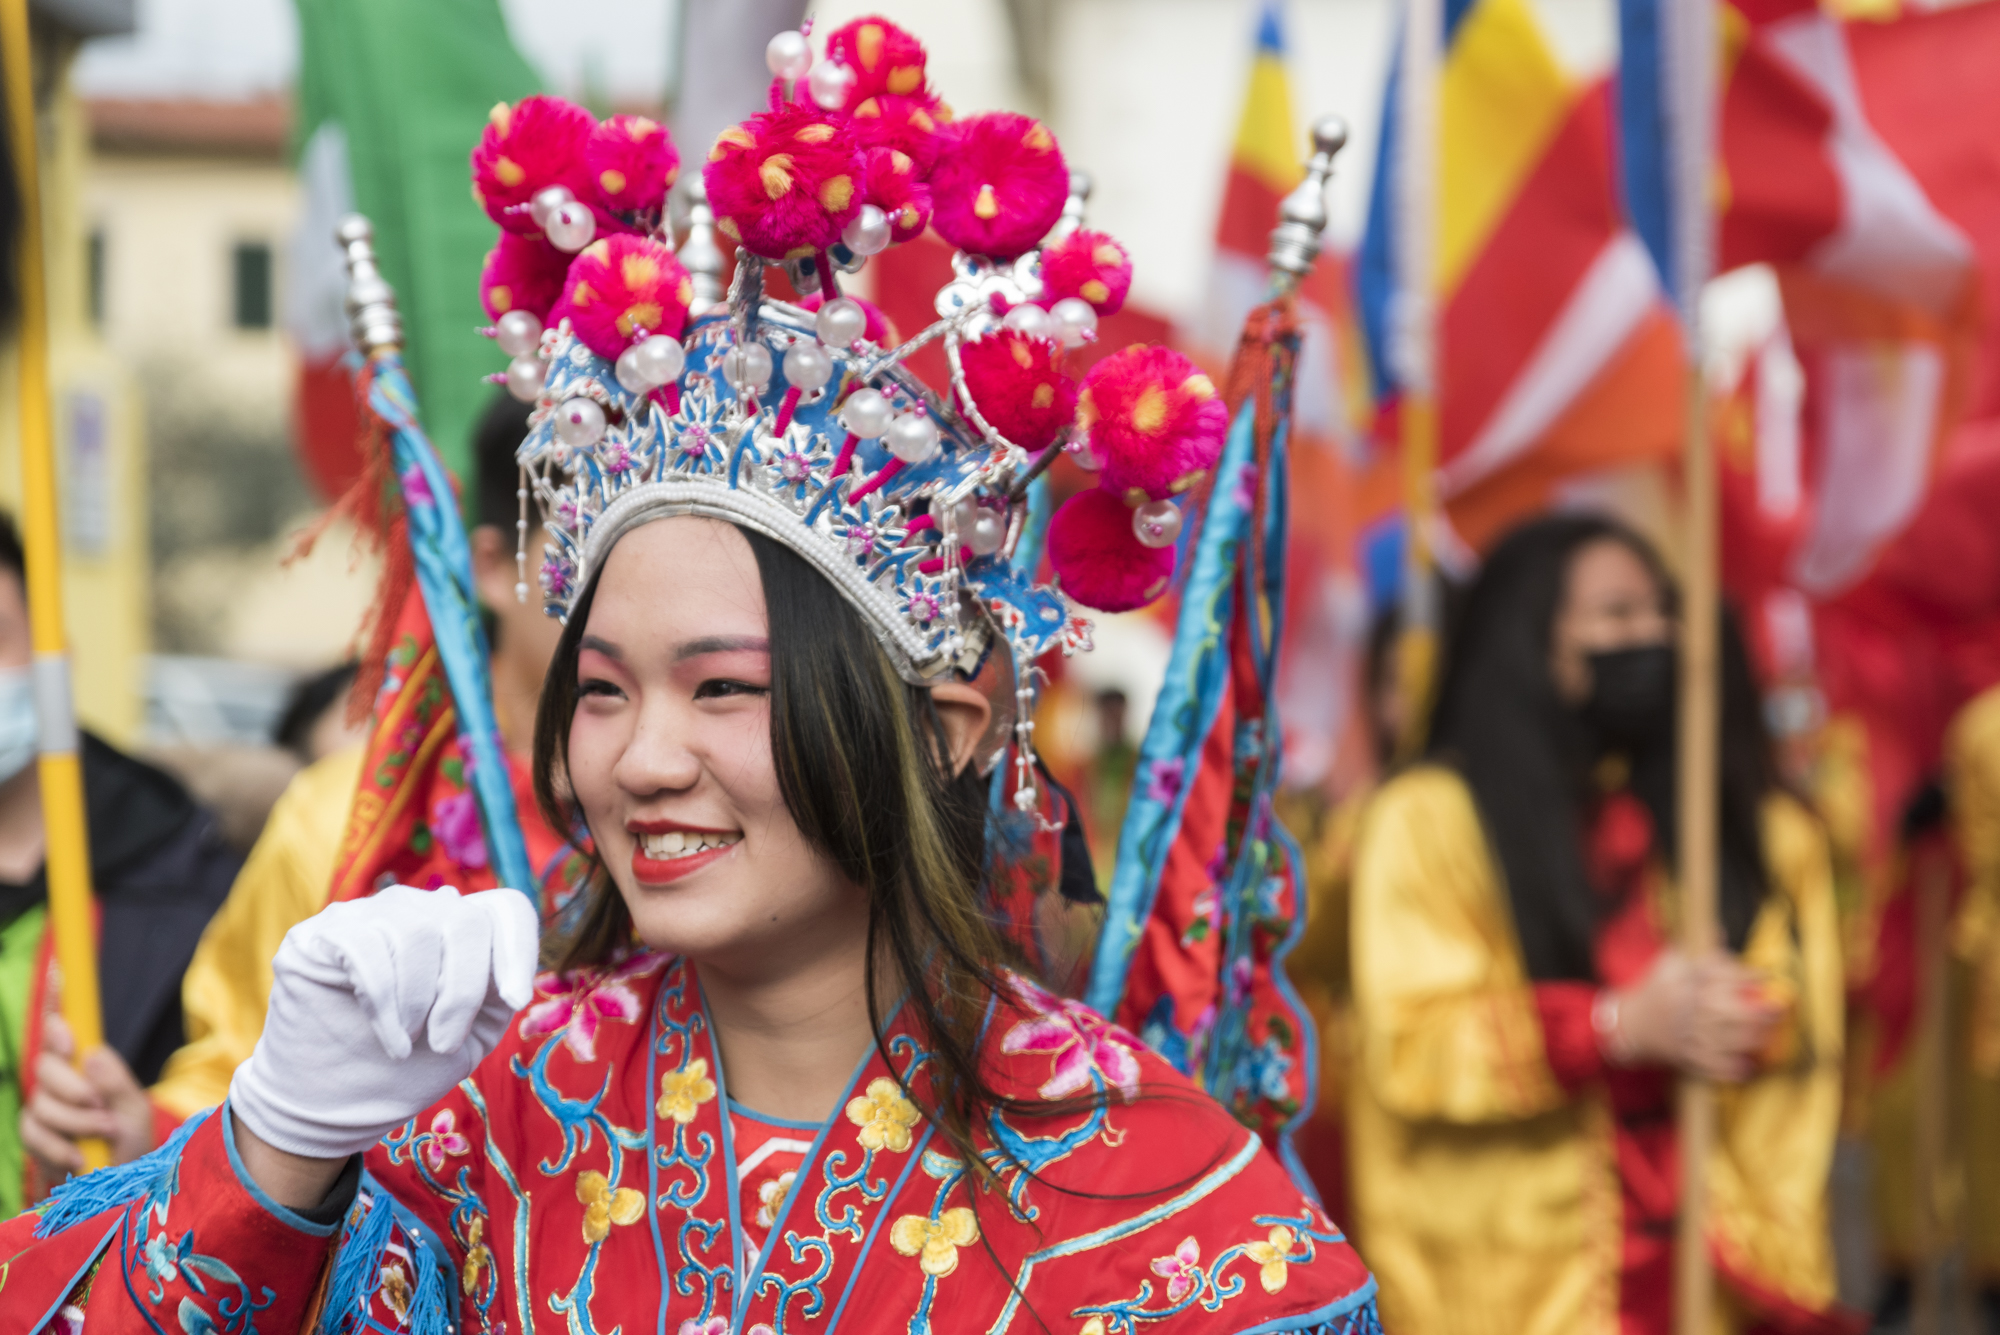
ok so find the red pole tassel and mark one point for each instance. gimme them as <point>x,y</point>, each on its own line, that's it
<point>785,409</point>
<point>889,470</point>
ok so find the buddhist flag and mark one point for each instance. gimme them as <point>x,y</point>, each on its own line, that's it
<point>1557,354</point>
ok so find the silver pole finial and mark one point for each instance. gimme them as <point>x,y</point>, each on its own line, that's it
<point>1295,242</point>
<point>371,303</point>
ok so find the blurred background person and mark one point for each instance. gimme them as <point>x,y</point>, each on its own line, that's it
<point>1521,1011</point>
<point>159,866</point>
<point>287,876</point>
<point>317,722</point>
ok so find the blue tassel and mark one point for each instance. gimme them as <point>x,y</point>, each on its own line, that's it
<point>429,1310</point>
<point>358,1267</point>
<point>81,1198</point>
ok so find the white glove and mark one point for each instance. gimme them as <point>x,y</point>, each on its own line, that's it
<point>379,1007</point>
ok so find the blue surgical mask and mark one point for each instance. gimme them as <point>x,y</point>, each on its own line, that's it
<point>17,720</point>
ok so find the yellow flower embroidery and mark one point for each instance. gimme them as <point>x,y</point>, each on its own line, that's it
<point>603,1207</point>
<point>685,1090</point>
<point>884,1116</point>
<point>936,1240</point>
<point>478,1256</point>
<point>1271,1256</point>
<point>395,1289</point>
<point>1094,1326</point>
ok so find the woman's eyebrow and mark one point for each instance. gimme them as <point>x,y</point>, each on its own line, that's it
<point>721,644</point>
<point>602,646</point>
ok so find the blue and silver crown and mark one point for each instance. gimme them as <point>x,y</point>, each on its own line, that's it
<point>922,545</point>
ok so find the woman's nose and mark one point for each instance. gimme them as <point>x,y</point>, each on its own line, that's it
<point>658,757</point>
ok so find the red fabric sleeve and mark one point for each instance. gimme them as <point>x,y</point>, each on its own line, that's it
<point>198,1236</point>
<point>1567,1036</point>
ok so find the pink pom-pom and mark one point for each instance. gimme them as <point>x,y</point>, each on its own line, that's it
<point>1017,386</point>
<point>884,58</point>
<point>891,184</point>
<point>785,182</point>
<point>879,329</point>
<point>999,185</point>
<point>631,163</point>
<point>622,289</point>
<point>1089,265</point>
<point>522,273</point>
<point>536,143</point>
<point>1100,560</point>
<point>913,126</point>
<point>1153,419</point>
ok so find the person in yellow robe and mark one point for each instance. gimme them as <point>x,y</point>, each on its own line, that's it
<point>289,871</point>
<point>1520,1012</point>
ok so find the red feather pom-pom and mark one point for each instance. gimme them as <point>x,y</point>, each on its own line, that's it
<point>879,329</point>
<point>1153,419</point>
<point>1100,560</point>
<point>884,58</point>
<point>622,289</point>
<point>536,143</point>
<point>784,183</point>
<point>522,273</point>
<point>999,185</point>
<point>1089,265</point>
<point>891,184</point>
<point>913,126</point>
<point>1018,388</point>
<point>631,162</point>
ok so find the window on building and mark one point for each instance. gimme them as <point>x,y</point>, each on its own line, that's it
<point>93,278</point>
<point>253,285</point>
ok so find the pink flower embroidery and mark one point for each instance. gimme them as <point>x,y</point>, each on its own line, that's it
<point>1083,1044</point>
<point>443,1139</point>
<point>455,820</point>
<point>576,1002</point>
<point>715,1325</point>
<point>1182,1270</point>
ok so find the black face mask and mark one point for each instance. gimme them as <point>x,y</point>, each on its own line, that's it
<point>1631,702</point>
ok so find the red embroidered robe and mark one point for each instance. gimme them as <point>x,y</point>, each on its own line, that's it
<point>585,1179</point>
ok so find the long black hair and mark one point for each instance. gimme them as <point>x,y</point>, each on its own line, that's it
<point>863,763</point>
<point>1529,758</point>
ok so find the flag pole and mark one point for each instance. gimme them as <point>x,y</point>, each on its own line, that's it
<point>1415,325</point>
<point>1689,50</point>
<point>68,847</point>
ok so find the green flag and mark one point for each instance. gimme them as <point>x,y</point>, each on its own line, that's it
<point>397,92</point>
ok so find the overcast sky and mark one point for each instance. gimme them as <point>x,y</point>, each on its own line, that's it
<point>234,48</point>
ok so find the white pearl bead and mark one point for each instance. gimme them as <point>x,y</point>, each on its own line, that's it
<point>747,368</point>
<point>1078,448</point>
<point>525,376</point>
<point>546,201</point>
<point>518,333</point>
<point>654,361</point>
<point>989,530</point>
<point>571,227</point>
<point>808,366</point>
<point>868,234</point>
<point>579,423</point>
<point>866,413</point>
<point>913,438</point>
<point>1157,523</point>
<point>1075,321</point>
<point>840,322</point>
<point>788,55</point>
<point>1030,320</point>
<point>829,82</point>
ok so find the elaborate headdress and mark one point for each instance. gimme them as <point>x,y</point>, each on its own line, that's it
<point>653,397</point>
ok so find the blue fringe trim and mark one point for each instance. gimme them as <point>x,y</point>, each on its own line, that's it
<point>357,1272</point>
<point>1362,1320</point>
<point>84,1197</point>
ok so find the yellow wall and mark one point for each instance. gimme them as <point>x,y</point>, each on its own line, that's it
<point>105,584</point>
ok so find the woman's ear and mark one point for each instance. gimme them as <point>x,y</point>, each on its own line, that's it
<point>965,713</point>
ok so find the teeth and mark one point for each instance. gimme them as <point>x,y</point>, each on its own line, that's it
<point>684,843</point>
